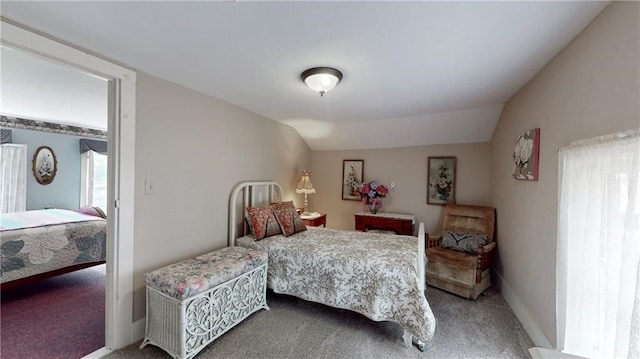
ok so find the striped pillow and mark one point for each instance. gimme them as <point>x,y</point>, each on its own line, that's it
<point>287,217</point>
<point>263,221</point>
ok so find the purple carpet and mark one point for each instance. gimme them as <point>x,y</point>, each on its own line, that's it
<point>60,317</point>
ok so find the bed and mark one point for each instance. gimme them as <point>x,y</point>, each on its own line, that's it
<point>44,243</point>
<point>376,275</point>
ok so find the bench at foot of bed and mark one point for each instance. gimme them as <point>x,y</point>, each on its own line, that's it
<point>193,302</point>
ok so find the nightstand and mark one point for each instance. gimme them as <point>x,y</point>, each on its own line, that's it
<point>317,221</point>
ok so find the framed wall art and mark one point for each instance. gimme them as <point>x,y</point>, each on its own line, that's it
<point>44,165</point>
<point>352,177</point>
<point>526,154</point>
<point>441,180</point>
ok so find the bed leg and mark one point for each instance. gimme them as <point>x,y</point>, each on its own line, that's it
<point>409,339</point>
<point>406,337</point>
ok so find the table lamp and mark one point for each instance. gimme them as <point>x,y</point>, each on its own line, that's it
<point>305,186</point>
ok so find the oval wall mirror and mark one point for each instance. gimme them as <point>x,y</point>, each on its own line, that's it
<point>45,165</point>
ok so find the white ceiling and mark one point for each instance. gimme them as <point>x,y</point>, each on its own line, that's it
<point>39,89</point>
<point>415,73</point>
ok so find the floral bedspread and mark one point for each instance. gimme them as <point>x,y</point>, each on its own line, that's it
<point>372,274</point>
<point>28,249</point>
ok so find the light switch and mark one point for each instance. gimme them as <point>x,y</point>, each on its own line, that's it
<point>149,186</point>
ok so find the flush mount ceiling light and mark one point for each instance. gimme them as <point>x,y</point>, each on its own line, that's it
<point>321,79</point>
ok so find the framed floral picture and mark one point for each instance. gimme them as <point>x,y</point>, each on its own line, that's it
<point>44,165</point>
<point>352,177</point>
<point>441,180</point>
<point>526,154</point>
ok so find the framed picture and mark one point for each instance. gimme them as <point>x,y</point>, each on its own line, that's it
<point>526,154</point>
<point>352,177</point>
<point>44,165</point>
<point>441,180</point>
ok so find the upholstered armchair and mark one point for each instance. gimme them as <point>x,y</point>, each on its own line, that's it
<point>459,258</point>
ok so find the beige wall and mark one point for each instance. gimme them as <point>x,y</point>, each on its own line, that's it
<point>197,148</point>
<point>591,88</point>
<point>407,167</point>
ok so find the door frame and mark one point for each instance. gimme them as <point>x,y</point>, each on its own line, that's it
<point>121,152</point>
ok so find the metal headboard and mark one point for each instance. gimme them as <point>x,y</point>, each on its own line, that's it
<point>245,194</point>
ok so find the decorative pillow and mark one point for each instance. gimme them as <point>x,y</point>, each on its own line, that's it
<point>463,242</point>
<point>247,219</point>
<point>287,217</point>
<point>92,211</point>
<point>263,221</point>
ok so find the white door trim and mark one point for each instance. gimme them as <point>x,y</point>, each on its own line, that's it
<point>122,90</point>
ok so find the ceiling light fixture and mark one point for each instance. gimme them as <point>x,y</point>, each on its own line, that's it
<point>321,79</point>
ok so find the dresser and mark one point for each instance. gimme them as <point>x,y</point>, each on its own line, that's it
<point>397,222</point>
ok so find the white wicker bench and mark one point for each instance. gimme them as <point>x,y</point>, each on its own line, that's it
<point>193,302</point>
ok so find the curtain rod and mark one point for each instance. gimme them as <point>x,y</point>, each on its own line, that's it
<point>612,137</point>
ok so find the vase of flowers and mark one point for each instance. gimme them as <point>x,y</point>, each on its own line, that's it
<point>371,193</point>
<point>374,206</point>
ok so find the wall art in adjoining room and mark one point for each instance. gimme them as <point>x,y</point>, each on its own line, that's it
<point>44,165</point>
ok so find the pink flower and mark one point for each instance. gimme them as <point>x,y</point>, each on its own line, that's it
<point>196,284</point>
<point>371,191</point>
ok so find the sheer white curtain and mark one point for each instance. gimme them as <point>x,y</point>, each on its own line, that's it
<point>13,178</point>
<point>598,279</point>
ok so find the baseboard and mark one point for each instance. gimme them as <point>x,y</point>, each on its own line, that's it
<point>138,329</point>
<point>97,354</point>
<point>543,353</point>
<point>530,326</point>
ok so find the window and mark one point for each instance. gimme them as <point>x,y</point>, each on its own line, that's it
<point>94,180</point>
<point>598,257</point>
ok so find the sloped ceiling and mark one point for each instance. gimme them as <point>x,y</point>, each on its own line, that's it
<point>415,73</point>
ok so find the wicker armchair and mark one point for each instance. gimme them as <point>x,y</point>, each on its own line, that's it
<point>462,273</point>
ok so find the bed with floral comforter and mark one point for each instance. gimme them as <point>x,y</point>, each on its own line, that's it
<point>45,241</point>
<point>372,274</point>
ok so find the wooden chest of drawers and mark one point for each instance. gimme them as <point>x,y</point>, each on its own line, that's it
<point>399,223</point>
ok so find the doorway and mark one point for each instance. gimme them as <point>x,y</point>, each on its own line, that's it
<point>121,137</point>
<point>49,105</point>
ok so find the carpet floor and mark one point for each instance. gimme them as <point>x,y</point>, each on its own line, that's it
<point>294,328</point>
<point>59,317</point>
